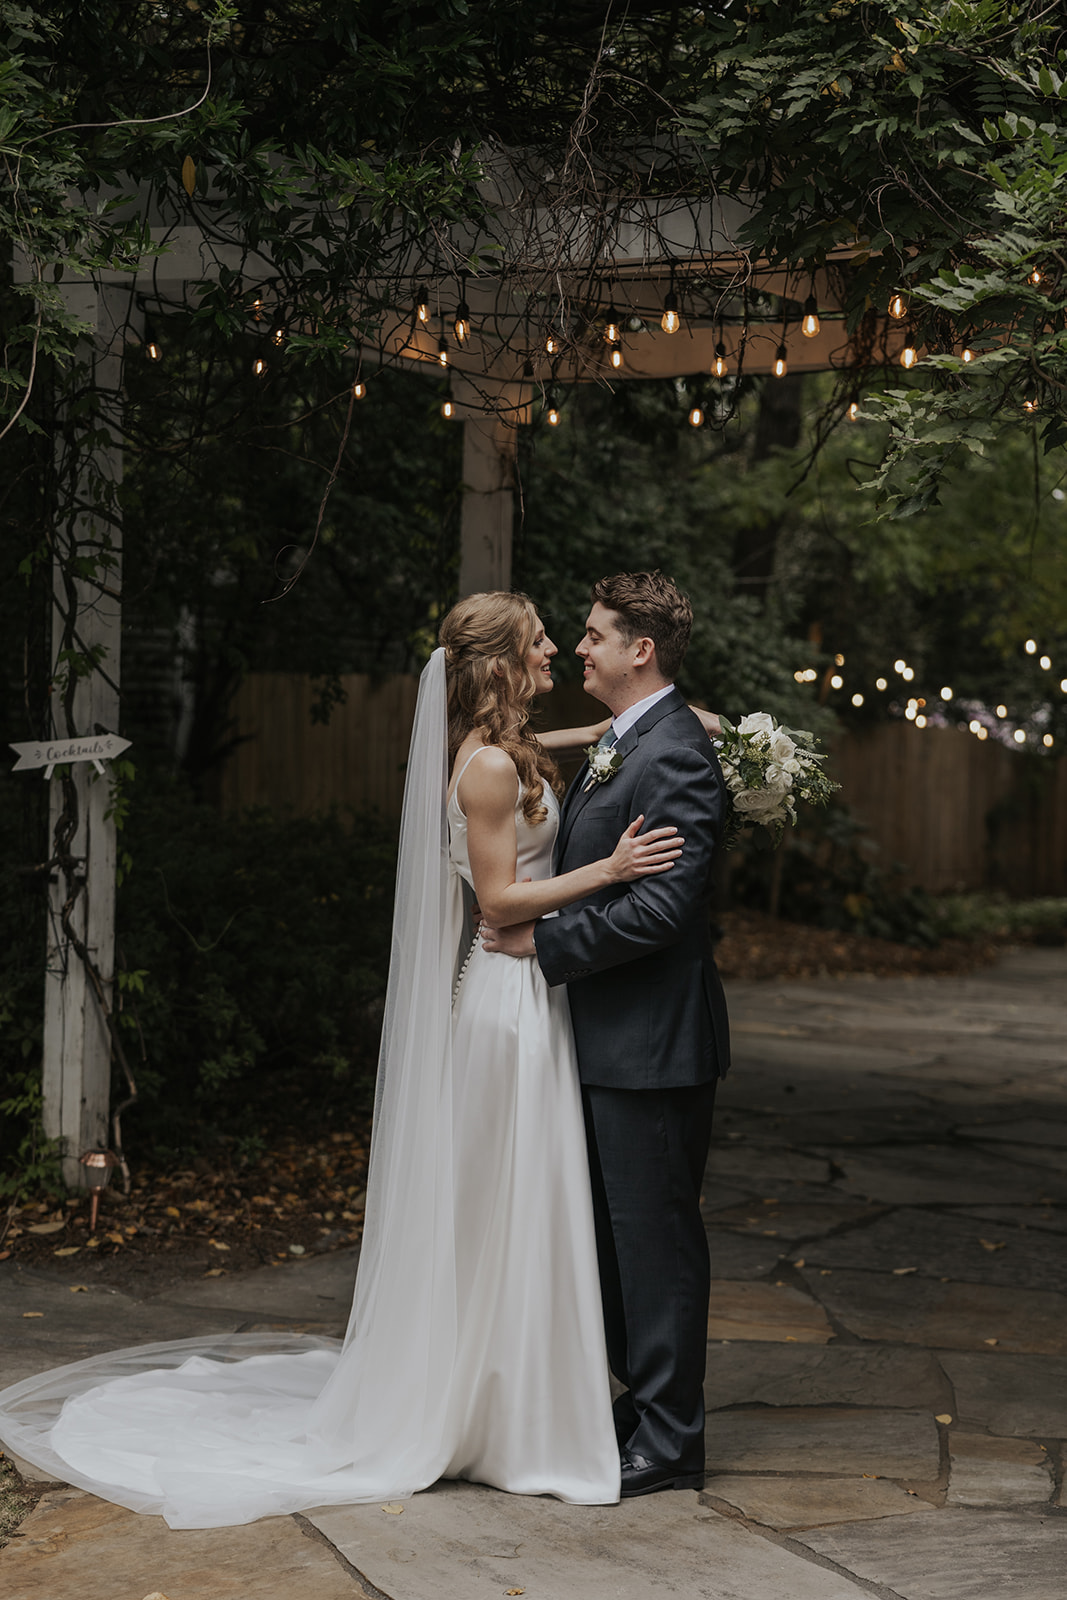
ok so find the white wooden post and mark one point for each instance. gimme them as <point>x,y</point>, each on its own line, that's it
<point>490,447</point>
<point>77,1047</point>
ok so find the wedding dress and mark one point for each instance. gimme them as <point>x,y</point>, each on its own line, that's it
<point>475,1347</point>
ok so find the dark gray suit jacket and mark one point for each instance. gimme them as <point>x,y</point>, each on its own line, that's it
<point>645,996</point>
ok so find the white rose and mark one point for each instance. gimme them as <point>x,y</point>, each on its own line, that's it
<point>782,746</point>
<point>792,766</point>
<point>756,722</point>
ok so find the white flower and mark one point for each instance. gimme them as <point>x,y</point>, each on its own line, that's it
<point>792,766</point>
<point>782,746</point>
<point>756,722</point>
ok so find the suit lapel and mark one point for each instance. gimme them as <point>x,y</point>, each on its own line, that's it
<point>580,791</point>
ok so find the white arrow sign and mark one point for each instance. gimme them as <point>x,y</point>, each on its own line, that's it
<point>97,747</point>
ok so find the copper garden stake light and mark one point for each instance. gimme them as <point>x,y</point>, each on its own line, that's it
<point>98,1165</point>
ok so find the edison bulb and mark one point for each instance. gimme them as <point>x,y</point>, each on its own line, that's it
<point>359,391</point>
<point>898,308</point>
<point>422,309</point>
<point>259,366</point>
<point>780,364</point>
<point>611,326</point>
<point>696,417</point>
<point>447,409</point>
<point>551,345</point>
<point>810,324</point>
<point>462,324</point>
<point>908,356</point>
<point>442,353</point>
<point>720,366</point>
<point>616,355</point>
<point>670,321</point>
<point>967,355</point>
<point>153,351</point>
<point>853,410</point>
<point>553,417</point>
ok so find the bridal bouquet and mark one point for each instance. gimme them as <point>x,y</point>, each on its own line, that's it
<point>767,768</point>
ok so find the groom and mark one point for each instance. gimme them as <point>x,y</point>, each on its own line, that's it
<point>649,1021</point>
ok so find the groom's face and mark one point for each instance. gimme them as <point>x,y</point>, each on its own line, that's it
<point>608,660</point>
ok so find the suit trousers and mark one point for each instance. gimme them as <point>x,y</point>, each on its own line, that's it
<point>647,1152</point>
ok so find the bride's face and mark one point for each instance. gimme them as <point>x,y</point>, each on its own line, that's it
<point>539,659</point>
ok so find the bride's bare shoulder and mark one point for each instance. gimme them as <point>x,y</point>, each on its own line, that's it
<point>489,779</point>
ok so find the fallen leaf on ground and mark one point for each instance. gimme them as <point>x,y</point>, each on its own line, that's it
<point>155,1595</point>
<point>800,1262</point>
<point>944,1416</point>
<point>67,1250</point>
<point>992,1244</point>
<point>514,1591</point>
<point>171,1211</point>
<point>990,1341</point>
<point>215,1272</point>
<point>902,1272</point>
<point>4,1254</point>
<point>217,1244</point>
<point>392,1510</point>
<point>79,1288</point>
<point>296,1249</point>
<point>33,1313</point>
<point>115,1238</point>
<point>47,1227</point>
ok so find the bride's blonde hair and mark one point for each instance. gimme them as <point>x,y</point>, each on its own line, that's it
<point>486,638</point>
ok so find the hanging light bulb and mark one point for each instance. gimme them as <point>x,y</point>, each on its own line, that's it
<point>359,390</point>
<point>257,307</point>
<point>616,355</point>
<point>1036,277</point>
<point>909,356</point>
<point>898,307</point>
<point>552,417</point>
<point>462,325</point>
<point>153,350</point>
<point>551,345</point>
<point>781,366</point>
<point>967,355</point>
<point>278,334</point>
<point>611,326</point>
<point>696,417</point>
<point>1030,406</point>
<point>853,410</point>
<point>720,366</point>
<point>1030,647</point>
<point>670,321</point>
<point>447,410</point>
<point>259,366</point>
<point>810,324</point>
<point>422,307</point>
<point>442,353</point>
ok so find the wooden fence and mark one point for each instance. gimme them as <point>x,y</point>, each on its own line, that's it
<point>957,812</point>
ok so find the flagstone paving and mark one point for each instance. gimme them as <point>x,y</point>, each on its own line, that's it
<point>887,1373</point>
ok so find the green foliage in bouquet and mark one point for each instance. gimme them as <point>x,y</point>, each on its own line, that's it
<point>767,768</point>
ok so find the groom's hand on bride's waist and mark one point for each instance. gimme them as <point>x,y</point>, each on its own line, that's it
<point>517,940</point>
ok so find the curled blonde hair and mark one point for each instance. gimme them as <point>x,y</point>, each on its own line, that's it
<point>486,638</point>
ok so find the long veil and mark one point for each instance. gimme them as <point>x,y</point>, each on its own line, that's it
<point>219,1430</point>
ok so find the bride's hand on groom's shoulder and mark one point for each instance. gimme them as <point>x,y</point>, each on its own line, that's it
<point>708,720</point>
<point>518,940</point>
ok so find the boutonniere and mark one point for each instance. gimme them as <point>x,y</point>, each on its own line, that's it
<point>604,763</point>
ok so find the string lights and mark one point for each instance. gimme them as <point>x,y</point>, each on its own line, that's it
<point>359,390</point>
<point>696,417</point>
<point>781,364</point>
<point>809,322</point>
<point>442,352</point>
<point>461,326</point>
<point>616,355</point>
<point>611,326</point>
<point>909,355</point>
<point>720,366</point>
<point>670,321</point>
<point>898,307</point>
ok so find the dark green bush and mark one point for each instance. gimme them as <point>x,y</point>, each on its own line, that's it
<point>252,956</point>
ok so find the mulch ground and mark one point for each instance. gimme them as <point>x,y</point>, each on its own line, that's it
<point>307,1194</point>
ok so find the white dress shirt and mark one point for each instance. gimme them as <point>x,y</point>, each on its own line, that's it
<point>634,713</point>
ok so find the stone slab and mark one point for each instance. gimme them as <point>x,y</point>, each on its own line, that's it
<point>949,1246</point>
<point>734,1257</point>
<point>944,1175</point>
<point>825,1375</point>
<point>792,1221</point>
<point>1024,1130</point>
<point>766,1311</point>
<point>1049,1218</point>
<point>1049,1158</point>
<point>75,1547</point>
<point>1022,1396</point>
<point>887,1444</point>
<point>766,1167</point>
<point>319,1289</point>
<point>786,1504</point>
<point>464,1542</point>
<point>986,1471</point>
<point>954,1554</point>
<point>954,1316</point>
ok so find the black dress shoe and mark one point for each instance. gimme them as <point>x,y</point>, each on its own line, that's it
<point>641,1476</point>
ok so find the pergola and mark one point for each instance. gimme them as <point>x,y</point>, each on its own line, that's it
<point>578,303</point>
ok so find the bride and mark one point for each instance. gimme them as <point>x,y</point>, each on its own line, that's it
<point>475,1346</point>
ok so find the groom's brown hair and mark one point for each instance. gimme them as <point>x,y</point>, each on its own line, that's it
<point>648,606</point>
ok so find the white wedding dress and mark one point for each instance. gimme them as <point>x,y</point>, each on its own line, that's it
<point>476,1345</point>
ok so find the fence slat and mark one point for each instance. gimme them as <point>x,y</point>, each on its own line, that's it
<point>956,812</point>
